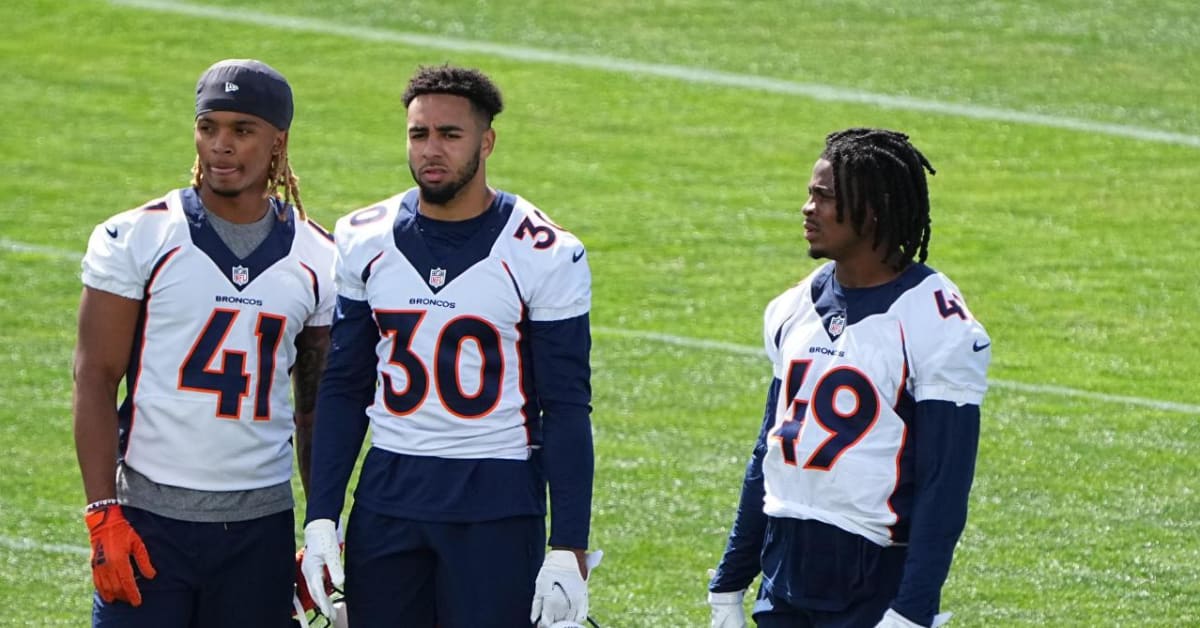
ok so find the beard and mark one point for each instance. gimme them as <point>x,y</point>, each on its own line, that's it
<point>446,191</point>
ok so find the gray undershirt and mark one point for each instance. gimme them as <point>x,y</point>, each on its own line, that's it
<point>241,238</point>
<point>176,502</point>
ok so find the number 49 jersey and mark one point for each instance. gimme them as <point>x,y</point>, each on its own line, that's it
<point>454,377</point>
<point>207,391</point>
<point>854,363</point>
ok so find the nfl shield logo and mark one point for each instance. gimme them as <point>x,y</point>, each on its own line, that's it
<point>837,325</point>
<point>437,277</point>
<point>240,275</point>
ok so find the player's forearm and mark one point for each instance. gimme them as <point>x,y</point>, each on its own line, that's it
<point>95,419</point>
<point>560,351</point>
<point>946,439</point>
<point>740,561</point>
<point>105,338</point>
<point>303,442</point>
<point>569,461</point>
<point>312,347</point>
<point>346,389</point>
<point>337,438</point>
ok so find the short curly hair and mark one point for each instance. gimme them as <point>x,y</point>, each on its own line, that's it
<point>469,83</point>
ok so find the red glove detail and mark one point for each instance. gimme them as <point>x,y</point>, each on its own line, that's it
<point>115,545</point>
<point>302,594</point>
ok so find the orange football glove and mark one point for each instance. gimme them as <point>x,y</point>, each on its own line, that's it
<point>302,594</point>
<point>114,543</point>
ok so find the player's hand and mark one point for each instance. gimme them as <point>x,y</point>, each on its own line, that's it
<point>892,619</point>
<point>727,610</point>
<point>560,592</point>
<point>321,559</point>
<point>114,544</point>
<point>304,599</point>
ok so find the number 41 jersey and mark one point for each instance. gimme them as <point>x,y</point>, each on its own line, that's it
<point>454,376</point>
<point>207,402</point>
<point>854,363</point>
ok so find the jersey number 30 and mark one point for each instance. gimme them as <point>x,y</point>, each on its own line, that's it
<point>402,326</point>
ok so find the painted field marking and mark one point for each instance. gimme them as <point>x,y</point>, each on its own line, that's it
<point>815,91</point>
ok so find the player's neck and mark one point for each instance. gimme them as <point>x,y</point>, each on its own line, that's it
<point>863,272</point>
<point>470,202</point>
<point>246,207</point>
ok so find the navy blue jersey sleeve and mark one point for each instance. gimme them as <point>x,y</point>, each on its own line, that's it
<point>946,438</point>
<point>562,378</point>
<point>347,388</point>
<point>741,561</point>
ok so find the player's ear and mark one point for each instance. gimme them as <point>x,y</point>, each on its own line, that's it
<point>488,142</point>
<point>280,144</point>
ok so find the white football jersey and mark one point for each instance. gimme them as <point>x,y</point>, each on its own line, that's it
<point>208,403</point>
<point>851,379</point>
<point>452,356</point>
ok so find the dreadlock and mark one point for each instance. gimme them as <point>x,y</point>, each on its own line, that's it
<point>279,175</point>
<point>881,169</point>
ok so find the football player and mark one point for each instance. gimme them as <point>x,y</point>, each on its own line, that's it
<point>461,338</point>
<point>206,302</point>
<point>856,492</point>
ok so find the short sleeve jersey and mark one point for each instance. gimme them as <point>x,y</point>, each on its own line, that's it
<point>207,390</point>
<point>453,373</point>
<point>854,364</point>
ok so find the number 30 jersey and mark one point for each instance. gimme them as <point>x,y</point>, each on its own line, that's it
<point>854,363</point>
<point>207,402</point>
<point>454,375</point>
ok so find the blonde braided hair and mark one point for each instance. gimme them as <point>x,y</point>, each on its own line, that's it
<point>279,175</point>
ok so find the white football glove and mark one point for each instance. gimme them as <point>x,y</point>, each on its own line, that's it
<point>321,553</point>
<point>343,618</point>
<point>727,610</point>
<point>892,619</point>
<point>560,593</point>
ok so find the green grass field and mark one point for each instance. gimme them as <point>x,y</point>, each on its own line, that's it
<point>676,141</point>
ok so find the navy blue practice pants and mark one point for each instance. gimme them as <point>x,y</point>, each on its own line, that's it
<point>417,574</point>
<point>818,576</point>
<point>209,574</point>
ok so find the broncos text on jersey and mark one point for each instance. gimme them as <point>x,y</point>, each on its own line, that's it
<point>854,363</point>
<point>209,371</point>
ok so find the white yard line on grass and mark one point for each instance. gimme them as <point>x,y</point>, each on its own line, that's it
<point>13,246</point>
<point>815,91</point>
<point>22,544</point>
<point>1021,387</point>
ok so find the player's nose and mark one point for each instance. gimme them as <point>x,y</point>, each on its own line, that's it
<point>222,141</point>
<point>431,147</point>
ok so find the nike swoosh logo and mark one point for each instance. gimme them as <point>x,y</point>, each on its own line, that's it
<point>575,257</point>
<point>111,231</point>
<point>980,347</point>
